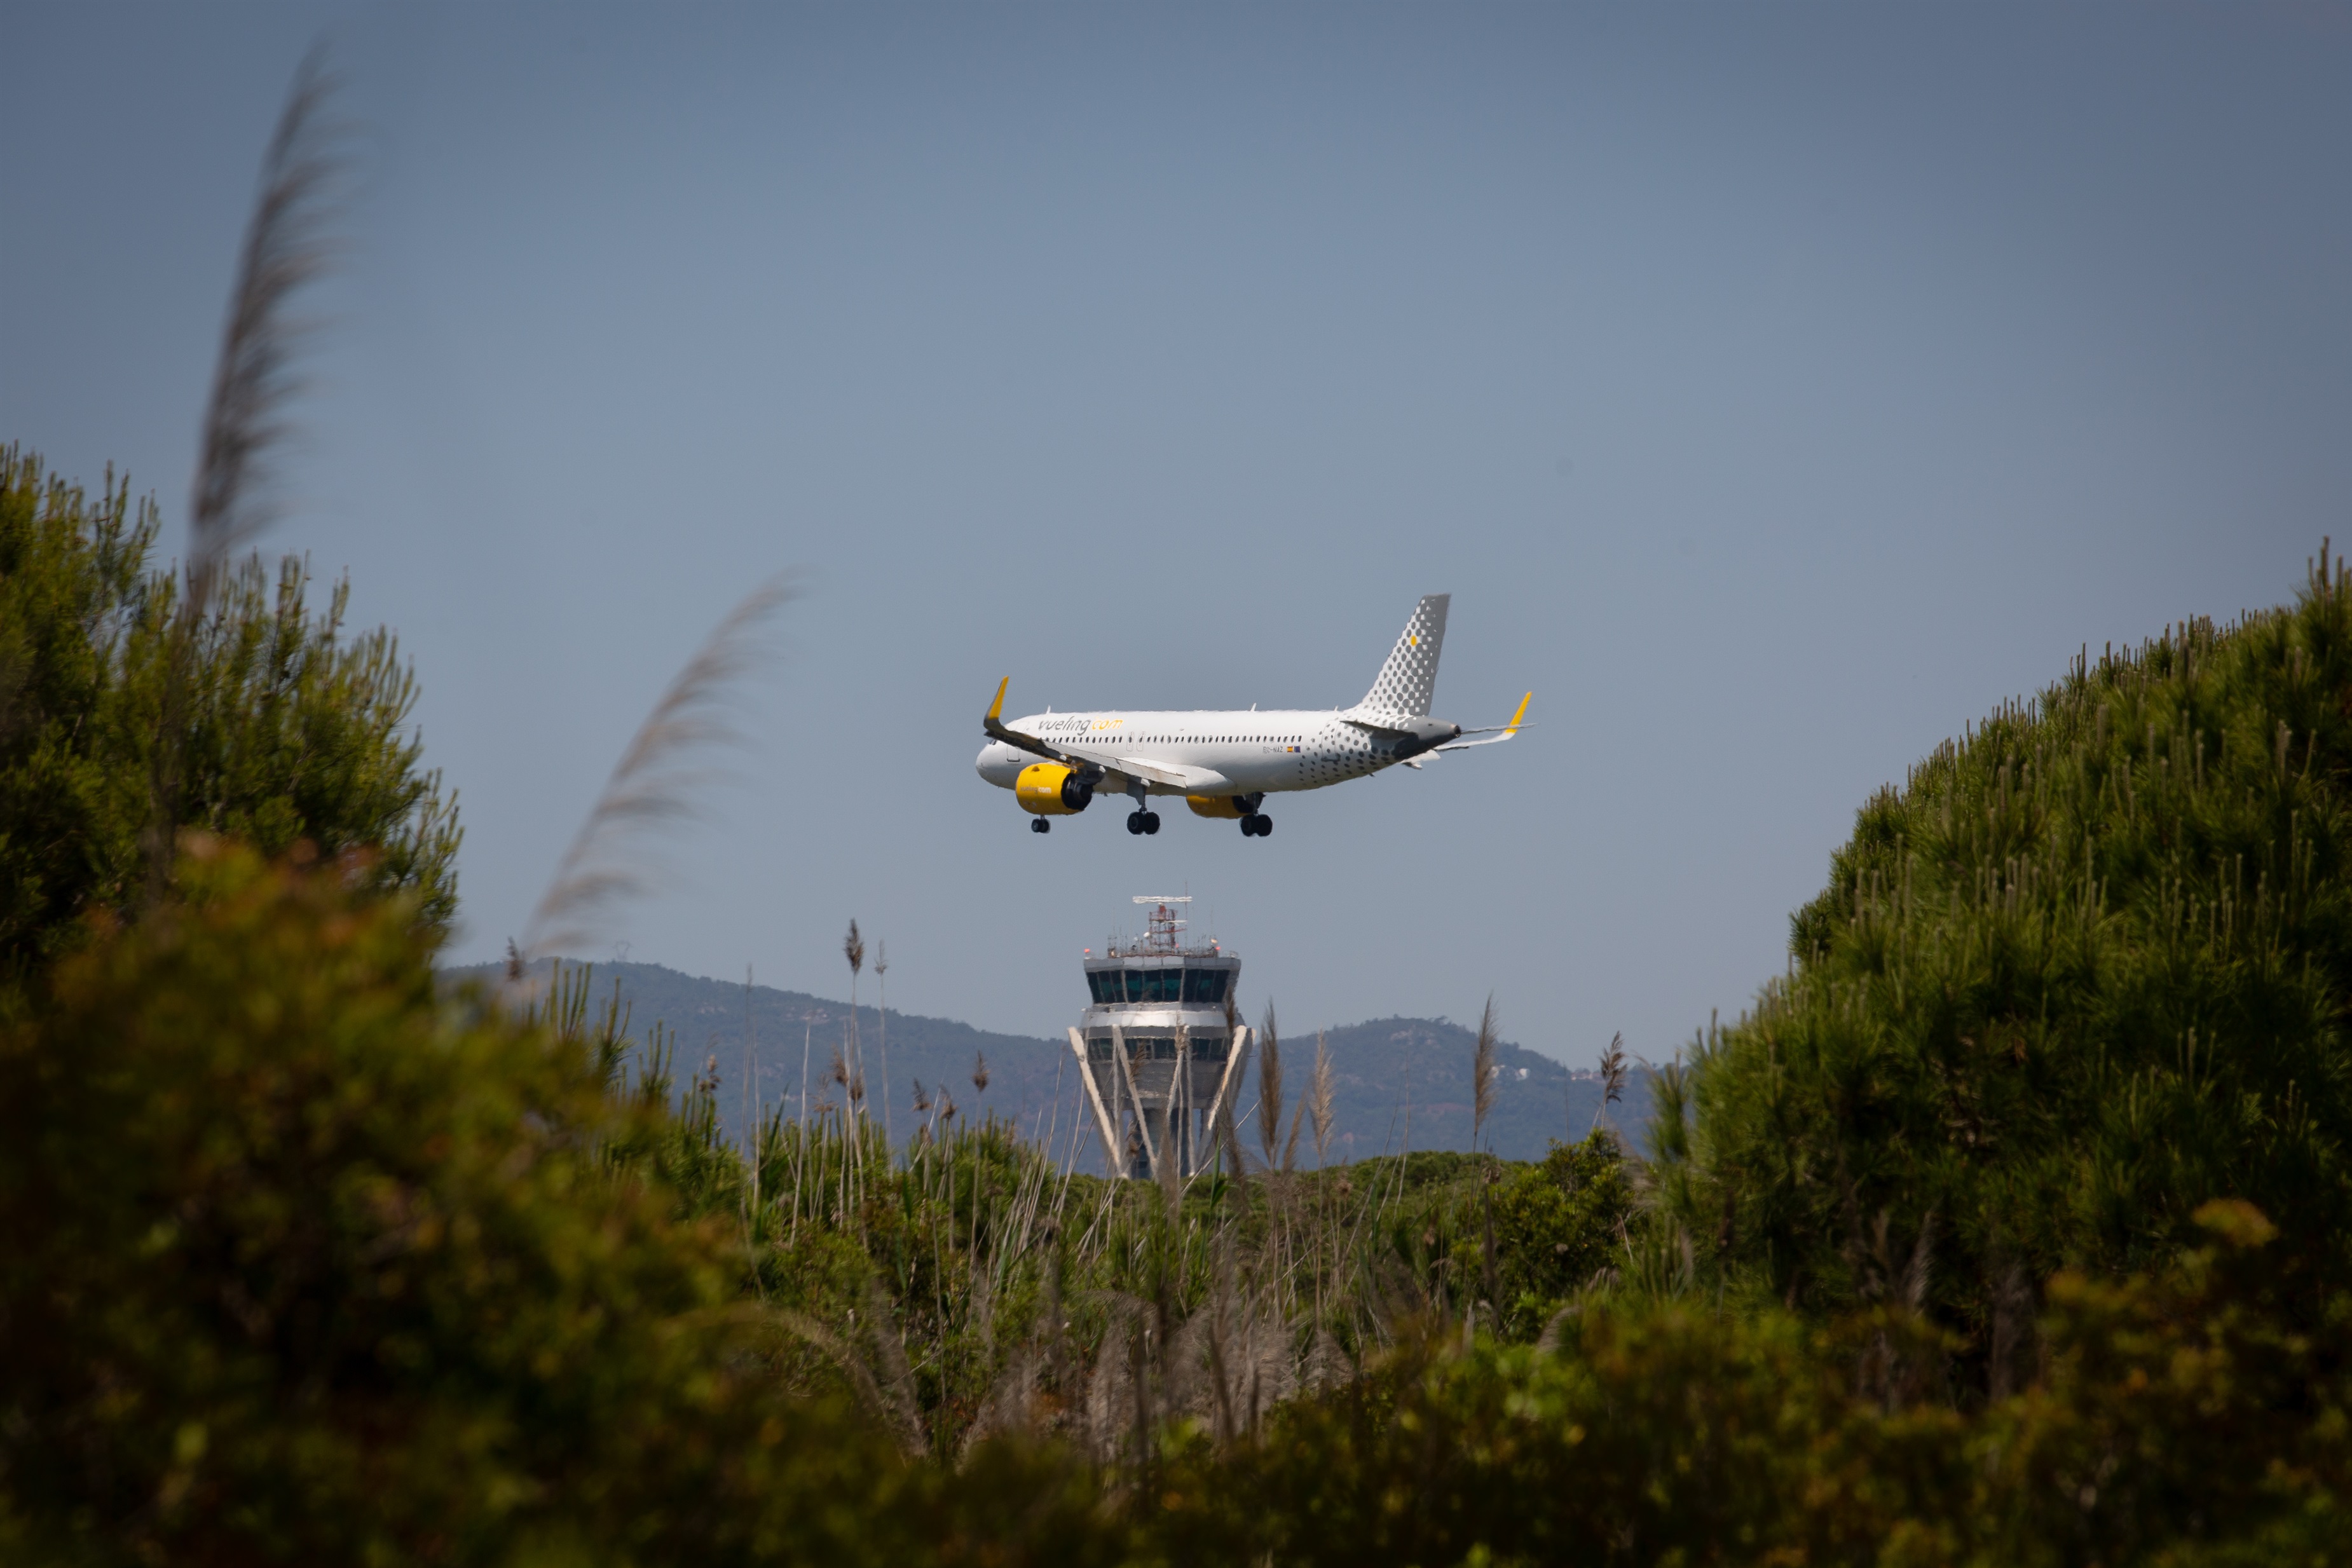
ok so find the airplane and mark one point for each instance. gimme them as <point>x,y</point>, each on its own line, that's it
<point>1226,764</point>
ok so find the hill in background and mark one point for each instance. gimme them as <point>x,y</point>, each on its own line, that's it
<point>1398,1082</point>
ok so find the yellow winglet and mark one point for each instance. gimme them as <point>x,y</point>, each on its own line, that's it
<point>996,709</point>
<point>1512,727</point>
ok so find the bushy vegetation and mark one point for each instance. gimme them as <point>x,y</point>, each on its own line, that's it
<point>2009,1227</point>
<point>2084,974</point>
<point>973,1287</point>
<point>305,1264</point>
<point>288,732</point>
<point>2176,1420</point>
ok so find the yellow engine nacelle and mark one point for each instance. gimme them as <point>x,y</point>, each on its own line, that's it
<point>1050,789</point>
<point>1226,806</point>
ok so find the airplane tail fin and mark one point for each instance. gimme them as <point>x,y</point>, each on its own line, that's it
<point>1409,680</point>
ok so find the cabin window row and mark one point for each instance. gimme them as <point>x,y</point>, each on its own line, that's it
<point>1205,988</point>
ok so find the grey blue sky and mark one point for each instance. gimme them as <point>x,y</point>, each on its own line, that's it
<point>1776,388</point>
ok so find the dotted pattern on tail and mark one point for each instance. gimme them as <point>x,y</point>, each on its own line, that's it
<point>1408,682</point>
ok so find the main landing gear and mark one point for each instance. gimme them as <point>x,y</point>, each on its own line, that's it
<point>1040,825</point>
<point>1256,825</point>
<point>1141,822</point>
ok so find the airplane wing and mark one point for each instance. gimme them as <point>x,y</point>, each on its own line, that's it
<point>1175,778</point>
<point>1166,773</point>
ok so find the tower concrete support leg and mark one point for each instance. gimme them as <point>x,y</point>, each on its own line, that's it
<point>1135,1097</point>
<point>1235,1050</point>
<point>1114,1158</point>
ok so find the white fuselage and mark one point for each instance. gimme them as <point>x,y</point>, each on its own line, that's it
<point>1230,753</point>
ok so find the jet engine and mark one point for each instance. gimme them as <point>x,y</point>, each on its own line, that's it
<point>1050,789</point>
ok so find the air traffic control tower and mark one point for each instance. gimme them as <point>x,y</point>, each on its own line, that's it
<point>1161,1046</point>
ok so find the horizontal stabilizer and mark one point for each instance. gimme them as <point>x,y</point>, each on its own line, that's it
<point>1517,724</point>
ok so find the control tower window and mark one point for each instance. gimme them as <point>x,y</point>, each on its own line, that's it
<point>1103,984</point>
<point>1204,986</point>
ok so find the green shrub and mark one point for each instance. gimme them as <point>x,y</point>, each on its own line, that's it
<point>2180,1420</point>
<point>2084,973</point>
<point>1559,1224</point>
<point>305,1263</point>
<point>292,732</point>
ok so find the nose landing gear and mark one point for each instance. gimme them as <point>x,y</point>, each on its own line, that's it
<point>1040,825</point>
<point>1143,821</point>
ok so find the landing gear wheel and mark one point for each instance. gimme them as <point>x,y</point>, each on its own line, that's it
<point>1249,827</point>
<point>1040,825</point>
<point>1264,824</point>
<point>1134,821</point>
<point>1150,821</point>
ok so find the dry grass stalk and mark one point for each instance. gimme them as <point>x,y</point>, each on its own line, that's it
<point>1483,1067</point>
<point>1612,1077</point>
<point>800,1145</point>
<point>882,1018</point>
<point>853,947</point>
<point>1011,1404</point>
<point>750,1104</point>
<point>1482,1070</point>
<point>1328,1366</point>
<point>1269,1086</point>
<point>653,784</point>
<point>897,1379</point>
<point>1110,1392</point>
<point>851,1365</point>
<point>1229,1144</point>
<point>285,248</point>
<point>1319,1093</point>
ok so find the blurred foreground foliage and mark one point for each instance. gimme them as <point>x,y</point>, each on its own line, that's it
<point>305,1263</point>
<point>2009,1227</point>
